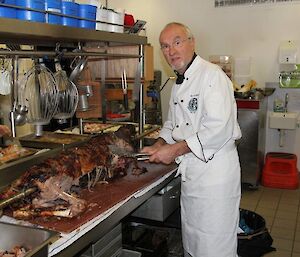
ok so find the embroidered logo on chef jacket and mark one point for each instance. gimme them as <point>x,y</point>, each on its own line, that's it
<point>193,105</point>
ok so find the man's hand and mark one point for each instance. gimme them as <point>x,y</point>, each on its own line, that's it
<point>166,153</point>
<point>153,148</point>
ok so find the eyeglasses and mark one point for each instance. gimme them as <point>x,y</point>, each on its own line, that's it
<point>178,43</point>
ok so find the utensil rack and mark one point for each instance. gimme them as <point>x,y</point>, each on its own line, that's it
<point>20,32</point>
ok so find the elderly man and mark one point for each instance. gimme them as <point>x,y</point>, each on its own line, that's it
<point>199,134</point>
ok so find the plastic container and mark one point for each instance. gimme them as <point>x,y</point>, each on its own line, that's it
<point>72,9</point>
<point>8,12</point>
<point>280,171</point>
<point>88,12</point>
<point>53,6</point>
<point>116,18</point>
<point>31,15</point>
<point>102,15</point>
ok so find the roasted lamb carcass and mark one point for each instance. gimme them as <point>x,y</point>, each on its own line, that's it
<point>58,179</point>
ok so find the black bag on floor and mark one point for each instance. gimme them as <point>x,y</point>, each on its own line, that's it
<point>256,241</point>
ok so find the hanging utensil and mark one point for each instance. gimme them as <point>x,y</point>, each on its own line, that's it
<point>5,75</point>
<point>39,93</point>
<point>124,88</point>
<point>77,67</point>
<point>68,95</point>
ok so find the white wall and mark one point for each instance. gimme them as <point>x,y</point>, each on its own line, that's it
<point>240,31</point>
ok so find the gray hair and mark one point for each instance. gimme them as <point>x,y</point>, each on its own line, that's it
<point>186,28</point>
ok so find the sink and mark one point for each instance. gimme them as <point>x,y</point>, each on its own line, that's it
<point>283,120</point>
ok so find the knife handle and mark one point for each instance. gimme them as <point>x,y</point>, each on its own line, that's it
<point>125,97</point>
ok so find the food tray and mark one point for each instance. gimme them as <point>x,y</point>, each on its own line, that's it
<point>111,126</point>
<point>151,136</point>
<point>97,127</point>
<point>34,240</point>
<point>52,140</point>
<point>14,152</point>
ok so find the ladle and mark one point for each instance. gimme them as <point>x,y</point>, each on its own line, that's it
<point>20,114</point>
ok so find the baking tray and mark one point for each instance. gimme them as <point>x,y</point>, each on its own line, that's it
<point>114,125</point>
<point>148,141</point>
<point>34,239</point>
<point>99,127</point>
<point>52,140</point>
<point>17,153</point>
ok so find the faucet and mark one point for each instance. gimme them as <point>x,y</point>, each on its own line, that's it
<point>286,100</point>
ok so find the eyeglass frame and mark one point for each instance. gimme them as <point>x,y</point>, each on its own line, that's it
<point>177,43</point>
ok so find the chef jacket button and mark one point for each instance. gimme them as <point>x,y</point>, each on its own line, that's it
<point>181,101</point>
<point>187,78</point>
<point>175,103</point>
<point>177,126</point>
<point>187,124</point>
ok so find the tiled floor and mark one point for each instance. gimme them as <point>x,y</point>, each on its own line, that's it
<point>281,210</point>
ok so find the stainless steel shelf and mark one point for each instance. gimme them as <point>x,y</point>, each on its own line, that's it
<point>26,32</point>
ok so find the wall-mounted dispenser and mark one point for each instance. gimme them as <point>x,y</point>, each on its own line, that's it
<point>289,69</point>
<point>288,51</point>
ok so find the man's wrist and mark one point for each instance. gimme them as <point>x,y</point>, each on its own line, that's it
<point>182,148</point>
<point>160,141</point>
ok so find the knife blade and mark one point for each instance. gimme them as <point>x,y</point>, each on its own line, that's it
<point>124,153</point>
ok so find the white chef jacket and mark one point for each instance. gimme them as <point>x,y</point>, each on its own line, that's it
<point>203,112</point>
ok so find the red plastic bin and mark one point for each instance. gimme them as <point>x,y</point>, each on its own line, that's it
<point>280,171</point>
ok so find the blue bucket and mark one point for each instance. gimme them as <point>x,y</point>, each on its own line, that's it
<point>70,8</point>
<point>53,6</point>
<point>89,12</point>
<point>31,15</point>
<point>8,12</point>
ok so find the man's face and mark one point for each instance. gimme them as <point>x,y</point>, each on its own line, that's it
<point>177,47</point>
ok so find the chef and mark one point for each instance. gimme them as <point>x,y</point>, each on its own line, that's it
<point>199,134</point>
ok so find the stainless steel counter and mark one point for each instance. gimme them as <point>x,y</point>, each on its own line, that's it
<point>110,222</point>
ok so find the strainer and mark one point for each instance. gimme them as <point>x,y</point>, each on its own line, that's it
<point>39,92</point>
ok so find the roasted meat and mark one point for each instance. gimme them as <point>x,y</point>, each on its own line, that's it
<point>17,251</point>
<point>58,180</point>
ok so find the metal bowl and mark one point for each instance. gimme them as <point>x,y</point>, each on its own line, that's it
<point>242,95</point>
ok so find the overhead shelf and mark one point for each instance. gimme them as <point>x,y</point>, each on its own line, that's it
<point>26,32</point>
